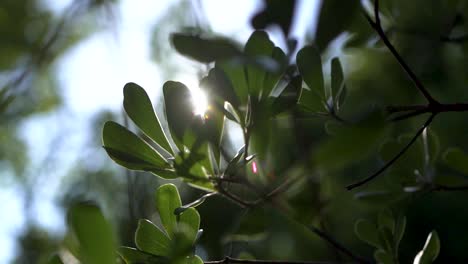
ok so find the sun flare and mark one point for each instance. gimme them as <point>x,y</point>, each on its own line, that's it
<point>199,97</point>
<point>199,101</point>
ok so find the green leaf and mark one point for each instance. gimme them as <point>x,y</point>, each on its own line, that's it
<point>149,238</point>
<point>309,65</point>
<point>179,112</point>
<point>310,101</point>
<point>430,251</point>
<point>231,113</point>
<point>337,79</point>
<point>194,260</point>
<point>272,78</point>
<point>340,97</point>
<point>288,97</point>
<point>94,234</point>
<point>138,106</point>
<point>338,87</point>
<point>55,259</point>
<point>130,151</point>
<point>258,46</point>
<point>236,75</point>
<point>234,162</point>
<point>400,227</point>
<point>167,201</point>
<point>190,218</point>
<point>204,49</point>
<point>383,257</point>
<point>134,256</point>
<point>280,13</point>
<point>367,232</point>
<point>456,159</point>
<point>219,87</point>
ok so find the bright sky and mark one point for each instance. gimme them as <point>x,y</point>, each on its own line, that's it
<point>92,76</point>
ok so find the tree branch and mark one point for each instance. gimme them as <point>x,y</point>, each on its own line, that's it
<point>228,260</point>
<point>415,110</point>
<point>440,187</point>
<point>392,161</point>
<point>378,28</point>
<point>337,245</point>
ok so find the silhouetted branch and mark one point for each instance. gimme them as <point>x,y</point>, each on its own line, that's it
<point>392,161</point>
<point>378,28</point>
<point>414,110</point>
<point>228,260</point>
<point>337,245</point>
<point>276,191</point>
<point>440,187</point>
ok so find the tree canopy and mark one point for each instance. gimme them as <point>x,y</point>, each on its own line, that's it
<point>349,148</point>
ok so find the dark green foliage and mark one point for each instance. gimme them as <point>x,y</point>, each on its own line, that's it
<point>204,49</point>
<point>310,121</point>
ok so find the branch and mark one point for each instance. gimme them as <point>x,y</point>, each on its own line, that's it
<point>440,187</point>
<point>337,245</point>
<point>247,261</point>
<point>392,161</point>
<point>269,196</point>
<point>415,110</point>
<point>378,28</point>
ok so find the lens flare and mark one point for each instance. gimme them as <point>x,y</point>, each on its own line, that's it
<point>199,99</point>
<point>254,167</point>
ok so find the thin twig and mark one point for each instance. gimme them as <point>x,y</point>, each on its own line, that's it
<point>440,187</point>
<point>337,245</point>
<point>410,114</point>
<point>378,28</point>
<point>392,161</point>
<point>228,260</point>
<point>415,110</point>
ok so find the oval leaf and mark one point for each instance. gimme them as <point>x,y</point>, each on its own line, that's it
<point>309,65</point>
<point>149,238</point>
<point>130,151</point>
<point>258,46</point>
<point>134,256</point>
<point>179,111</point>
<point>191,219</point>
<point>138,106</point>
<point>310,101</point>
<point>236,75</point>
<point>167,201</point>
<point>338,88</point>
<point>430,251</point>
<point>204,49</point>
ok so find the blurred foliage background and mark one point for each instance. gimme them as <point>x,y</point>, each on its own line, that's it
<point>430,36</point>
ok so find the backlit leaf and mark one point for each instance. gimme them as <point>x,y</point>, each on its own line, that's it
<point>149,238</point>
<point>138,106</point>
<point>167,201</point>
<point>309,65</point>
